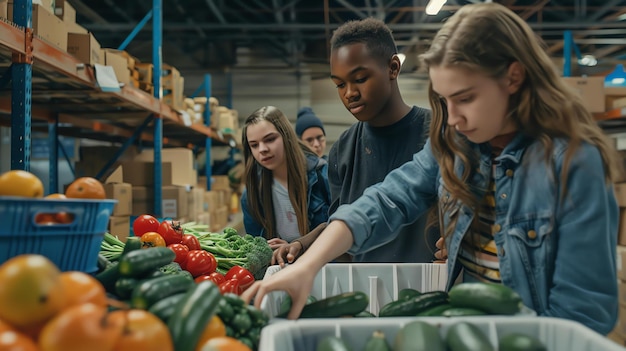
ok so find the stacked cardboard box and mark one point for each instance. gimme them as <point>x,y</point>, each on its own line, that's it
<point>173,87</point>
<point>45,24</point>
<point>145,76</point>
<point>119,222</point>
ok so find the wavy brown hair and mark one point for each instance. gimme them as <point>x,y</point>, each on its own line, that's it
<point>259,179</point>
<point>487,38</point>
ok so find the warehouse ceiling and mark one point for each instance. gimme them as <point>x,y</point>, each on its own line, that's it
<point>213,35</point>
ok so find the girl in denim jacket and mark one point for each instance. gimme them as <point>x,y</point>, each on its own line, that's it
<point>287,193</point>
<point>521,173</point>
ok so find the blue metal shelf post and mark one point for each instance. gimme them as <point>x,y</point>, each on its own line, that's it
<point>157,31</point>
<point>21,76</point>
<point>53,158</point>
<point>207,122</point>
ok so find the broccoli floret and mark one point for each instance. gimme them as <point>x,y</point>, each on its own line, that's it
<point>228,231</point>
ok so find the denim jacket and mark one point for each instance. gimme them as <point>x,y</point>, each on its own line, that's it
<point>318,198</point>
<point>558,254</point>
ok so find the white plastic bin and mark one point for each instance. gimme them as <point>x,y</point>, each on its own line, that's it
<point>556,334</point>
<point>380,281</point>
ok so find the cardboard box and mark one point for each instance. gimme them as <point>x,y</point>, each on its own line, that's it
<point>173,201</point>
<point>621,239</point>
<point>621,262</point>
<point>140,173</point>
<point>211,201</point>
<point>145,71</point>
<point>591,90</point>
<point>65,11</point>
<point>85,48</point>
<point>119,226</point>
<point>620,194</point>
<point>220,182</point>
<point>182,164</point>
<point>204,218</point>
<point>221,219</point>
<point>76,28</point>
<point>45,23</point>
<point>123,193</point>
<point>119,63</point>
<point>4,9</point>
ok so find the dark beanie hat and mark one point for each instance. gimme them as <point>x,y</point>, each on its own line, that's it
<point>307,119</point>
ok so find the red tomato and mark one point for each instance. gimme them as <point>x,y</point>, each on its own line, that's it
<point>145,223</point>
<point>215,277</point>
<point>231,286</point>
<point>191,241</point>
<point>242,275</point>
<point>168,233</point>
<point>200,262</point>
<point>181,252</point>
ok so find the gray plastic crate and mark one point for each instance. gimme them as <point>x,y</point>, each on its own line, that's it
<point>556,334</point>
<point>380,281</point>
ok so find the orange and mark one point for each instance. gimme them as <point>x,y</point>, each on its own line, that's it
<point>82,288</point>
<point>86,188</point>
<point>55,196</point>
<point>85,327</point>
<point>214,329</point>
<point>30,293</point>
<point>20,183</point>
<point>13,341</point>
<point>141,331</point>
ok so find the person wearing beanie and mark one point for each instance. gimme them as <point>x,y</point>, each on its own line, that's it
<point>310,129</point>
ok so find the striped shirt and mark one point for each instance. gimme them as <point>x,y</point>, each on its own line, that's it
<point>479,254</point>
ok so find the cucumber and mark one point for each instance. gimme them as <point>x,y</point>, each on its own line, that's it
<point>418,336</point>
<point>435,311</point>
<point>414,305</point>
<point>241,323</point>
<point>520,342</point>
<point>346,304</point>
<point>193,313</point>
<point>464,336</point>
<point>331,343</point>
<point>108,277</point>
<point>488,297</point>
<point>258,317</point>
<point>377,342</point>
<point>407,293</point>
<point>103,263</point>
<point>124,287</point>
<point>132,243</point>
<point>140,262</point>
<point>285,305</point>
<point>225,311</point>
<point>149,292</point>
<point>165,308</point>
<point>462,311</point>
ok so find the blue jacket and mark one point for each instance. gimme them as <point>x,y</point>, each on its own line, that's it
<point>318,198</point>
<point>560,256</point>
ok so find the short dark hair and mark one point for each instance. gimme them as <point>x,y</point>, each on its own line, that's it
<point>374,33</point>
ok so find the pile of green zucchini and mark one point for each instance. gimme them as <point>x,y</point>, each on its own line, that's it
<point>149,279</point>
<point>422,336</point>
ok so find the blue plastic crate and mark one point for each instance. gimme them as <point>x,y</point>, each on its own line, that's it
<point>72,247</point>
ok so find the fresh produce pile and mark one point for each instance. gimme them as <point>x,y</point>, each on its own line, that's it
<point>423,336</point>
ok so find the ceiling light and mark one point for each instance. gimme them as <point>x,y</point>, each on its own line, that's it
<point>434,6</point>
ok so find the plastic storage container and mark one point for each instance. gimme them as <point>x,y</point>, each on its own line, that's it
<point>556,334</point>
<point>380,281</point>
<point>71,246</point>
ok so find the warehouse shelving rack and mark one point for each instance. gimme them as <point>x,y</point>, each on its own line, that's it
<point>53,92</point>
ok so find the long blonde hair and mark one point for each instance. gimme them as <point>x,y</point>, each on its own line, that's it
<point>259,189</point>
<point>487,38</point>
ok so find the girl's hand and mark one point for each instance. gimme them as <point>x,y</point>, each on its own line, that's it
<point>296,280</point>
<point>276,243</point>
<point>287,253</point>
<point>441,254</point>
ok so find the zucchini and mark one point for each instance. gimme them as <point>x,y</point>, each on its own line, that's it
<point>165,308</point>
<point>520,342</point>
<point>241,323</point>
<point>150,291</point>
<point>192,315</point>
<point>377,342</point>
<point>488,297</point>
<point>140,262</point>
<point>132,243</point>
<point>346,304</point>
<point>124,287</point>
<point>407,293</point>
<point>414,305</point>
<point>285,304</point>
<point>435,311</point>
<point>418,336</point>
<point>108,277</point>
<point>225,311</point>
<point>462,311</point>
<point>331,343</point>
<point>103,263</point>
<point>464,336</point>
<point>259,318</point>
